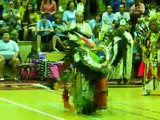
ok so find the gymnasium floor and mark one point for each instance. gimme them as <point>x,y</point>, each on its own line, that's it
<point>41,104</point>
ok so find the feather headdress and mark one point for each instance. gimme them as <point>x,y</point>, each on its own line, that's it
<point>153,14</point>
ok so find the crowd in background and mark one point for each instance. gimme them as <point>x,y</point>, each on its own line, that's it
<point>45,19</point>
<point>23,15</point>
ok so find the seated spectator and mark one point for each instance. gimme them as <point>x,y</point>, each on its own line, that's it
<point>108,18</point>
<point>10,13</point>
<point>97,34</point>
<point>69,15</point>
<point>79,29</point>
<point>9,52</point>
<point>35,3</point>
<point>22,8</point>
<point>44,29</point>
<point>29,21</point>
<point>81,26</point>
<point>59,29</point>
<point>121,14</point>
<point>96,21</point>
<point>48,7</point>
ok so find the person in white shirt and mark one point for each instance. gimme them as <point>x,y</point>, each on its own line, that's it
<point>108,18</point>
<point>9,52</point>
<point>122,14</point>
<point>82,26</point>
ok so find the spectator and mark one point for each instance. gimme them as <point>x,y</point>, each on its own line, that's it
<point>116,5</point>
<point>22,8</point>
<point>10,13</point>
<point>29,21</point>
<point>96,34</point>
<point>81,28</point>
<point>69,15</point>
<point>122,14</point>
<point>44,29</point>
<point>137,9</point>
<point>59,27</point>
<point>7,16</point>
<point>96,21</point>
<point>49,7</point>
<point>108,18</point>
<point>9,52</point>
<point>34,3</point>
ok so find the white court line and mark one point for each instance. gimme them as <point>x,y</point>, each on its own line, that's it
<point>29,108</point>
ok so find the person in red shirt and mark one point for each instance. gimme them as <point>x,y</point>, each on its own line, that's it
<point>49,7</point>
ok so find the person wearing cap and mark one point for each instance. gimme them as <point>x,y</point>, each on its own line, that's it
<point>127,60</point>
<point>122,39</point>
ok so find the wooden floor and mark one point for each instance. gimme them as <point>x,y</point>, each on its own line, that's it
<point>123,104</point>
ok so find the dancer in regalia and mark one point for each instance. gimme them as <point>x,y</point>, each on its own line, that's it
<point>151,57</point>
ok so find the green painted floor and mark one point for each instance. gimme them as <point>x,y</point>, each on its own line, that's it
<point>123,104</point>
